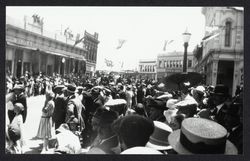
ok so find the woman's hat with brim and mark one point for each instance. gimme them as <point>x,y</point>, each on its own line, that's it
<point>19,106</point>
<point>63,127</point>
<point>71,88</point>
<point>141,150</point>
<point>18,87</point>
<point>159,139</point>
<point>196,127</point>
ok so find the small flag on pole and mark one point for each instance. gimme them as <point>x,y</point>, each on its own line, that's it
<point>120,43</point>
<point>165,44</point>
<point>78,40</point>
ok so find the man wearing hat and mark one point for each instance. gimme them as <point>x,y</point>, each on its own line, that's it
<point>74,108</point>
<point>19,97</point>
<point>106,141</point>
<point>201,136</point>
<point>59,113</point>
<point>219,98</point>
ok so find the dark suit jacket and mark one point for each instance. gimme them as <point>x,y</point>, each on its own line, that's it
<point>22,99</point>
<point>219,116</point>
<point>59,113</point>
<point>236,137</point>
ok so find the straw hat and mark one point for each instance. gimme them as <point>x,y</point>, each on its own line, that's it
<point>141,150</point>
<point>201,136</point>
<point>159,139</point>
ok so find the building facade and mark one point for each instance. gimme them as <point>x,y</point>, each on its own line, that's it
<point>172,62</point>
<point>91,44</point>
<point>30,48</point>
<point>222,58</point>
<point>147,69</point>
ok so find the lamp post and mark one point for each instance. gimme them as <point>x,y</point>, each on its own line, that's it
<point>186,38</point>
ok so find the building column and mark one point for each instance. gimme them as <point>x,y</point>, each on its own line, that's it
<point>214,72</point>
<point>236,76</point>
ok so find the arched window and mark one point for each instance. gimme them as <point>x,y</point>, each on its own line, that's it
<point>228,33</point>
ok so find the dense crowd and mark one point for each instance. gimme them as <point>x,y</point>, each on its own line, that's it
<point>114,115</point>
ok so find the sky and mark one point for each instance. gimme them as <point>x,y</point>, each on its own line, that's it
<point>144,28</point>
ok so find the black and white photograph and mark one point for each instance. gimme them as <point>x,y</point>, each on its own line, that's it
<point>124,80</point>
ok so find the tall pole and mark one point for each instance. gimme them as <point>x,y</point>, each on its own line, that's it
<point>185,57</point>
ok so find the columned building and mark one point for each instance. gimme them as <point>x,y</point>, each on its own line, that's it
<point>221,58</point>
<point>147,69</point>
<point>30,48</point>
<point>172,62</point>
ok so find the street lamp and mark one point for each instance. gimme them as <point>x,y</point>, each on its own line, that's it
<point>186,38</point>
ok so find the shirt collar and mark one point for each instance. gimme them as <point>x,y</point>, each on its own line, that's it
<point>219,107</point>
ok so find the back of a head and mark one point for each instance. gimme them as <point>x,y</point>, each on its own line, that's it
<point>135,130</point>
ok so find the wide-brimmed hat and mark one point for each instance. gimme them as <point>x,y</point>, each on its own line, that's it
<point>58,88</point>
<point>18,87</point>
<point>141,150</point>
<point>159,139</point>
<point>201,136</point>
<point>221,90</point>
<point>63,127</point>
<point>19,106</point>
<point>71,88</point>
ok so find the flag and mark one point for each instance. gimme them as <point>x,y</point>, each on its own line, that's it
<point>165,44</point>
<point>66,30</point>
<point>209,37</point>
<point>170,42</point>
<point>120,43</point>
<point>109,63</point>
<point>78,40</point>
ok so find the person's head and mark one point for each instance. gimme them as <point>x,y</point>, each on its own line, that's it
<point>134,130</point>
<point>18,108</point>
<point>220,94</point>
<point>18,89</point>
<point>102,120</point>
<point>50,95</point>
<point>70,90</point>
<point>176,121</point>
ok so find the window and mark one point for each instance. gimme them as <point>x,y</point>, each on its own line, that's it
<point>170,64</point>
<point>181,63</point>
<point>173,63</point>
<point>159,63</point>
<point>167,64</point>
<point>228,33</point>
<point>189,63</point>
<point>177,63</point>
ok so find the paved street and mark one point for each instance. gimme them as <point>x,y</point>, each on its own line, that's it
<point>33,145</point>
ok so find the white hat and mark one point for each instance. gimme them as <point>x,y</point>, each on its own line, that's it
<point>141,150</point>
<point>201,136</point>
<point>159,139</point>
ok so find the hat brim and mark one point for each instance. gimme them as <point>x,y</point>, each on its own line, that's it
<point>158,147</point>
<point>174,138</point>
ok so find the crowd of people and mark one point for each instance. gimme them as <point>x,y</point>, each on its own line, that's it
<point>115,115</point>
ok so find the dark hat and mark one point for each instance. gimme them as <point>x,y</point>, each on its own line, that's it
<point>135,130</point>
<point>188,110</point>
<point>71,88</point>
<point>106,117</point>
<point>156,103</point>
<point>201,136</point>
<point>159,139</point>
<point>220,90</point>
<point>58,88</point>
